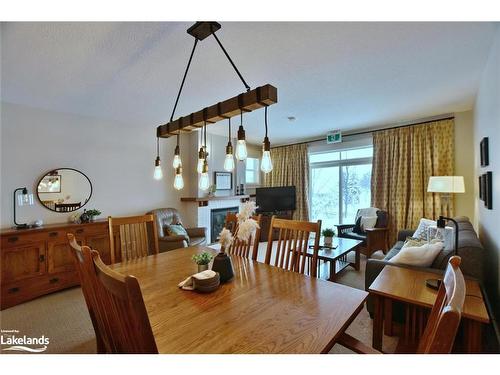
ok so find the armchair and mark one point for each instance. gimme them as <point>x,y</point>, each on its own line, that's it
<point>169,216</point>
<point>373,238</point>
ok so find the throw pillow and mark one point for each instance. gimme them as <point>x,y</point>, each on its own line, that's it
<point>357,226</point>
<point>420,256</point>
<point>422,230</point>
<point>446,235</point>
<point>177,230</point>
<point>368,222</point>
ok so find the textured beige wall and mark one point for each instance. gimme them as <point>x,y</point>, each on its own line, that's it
<point>117,157</point>
<point>464,164</point>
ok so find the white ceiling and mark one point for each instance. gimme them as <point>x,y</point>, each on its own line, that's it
<point>329,75</point>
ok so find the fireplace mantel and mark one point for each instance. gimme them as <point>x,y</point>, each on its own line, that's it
<point>203,201</point>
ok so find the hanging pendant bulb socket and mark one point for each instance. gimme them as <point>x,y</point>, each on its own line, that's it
<point>241,133</point>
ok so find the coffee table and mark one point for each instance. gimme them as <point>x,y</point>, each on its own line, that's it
<point>336,255</point>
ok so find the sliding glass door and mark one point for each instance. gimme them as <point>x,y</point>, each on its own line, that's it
<point>339,185</point>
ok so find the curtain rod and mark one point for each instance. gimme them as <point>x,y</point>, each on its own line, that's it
<point>371,131</point>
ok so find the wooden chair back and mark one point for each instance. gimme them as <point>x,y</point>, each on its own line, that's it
<point>442,326</point>
<point>87,289</point>
<point>239,247</point>
<point>132,237</point>
<point>292,245</point>
<point>122,316</point>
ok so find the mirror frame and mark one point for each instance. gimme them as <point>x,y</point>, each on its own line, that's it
<point>57,169</point>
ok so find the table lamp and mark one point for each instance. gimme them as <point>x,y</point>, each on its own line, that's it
<point>23,199</point>
<point>445,185</point>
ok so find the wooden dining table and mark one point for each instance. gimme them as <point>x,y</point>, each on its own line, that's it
<point>263,309</point>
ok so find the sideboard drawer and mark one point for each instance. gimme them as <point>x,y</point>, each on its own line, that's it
<point>21,239</point>
<point>25,290</point>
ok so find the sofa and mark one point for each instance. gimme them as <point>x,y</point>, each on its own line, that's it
<point>169,216</point>
<point>469,249</point>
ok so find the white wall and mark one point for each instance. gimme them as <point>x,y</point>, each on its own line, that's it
<point>487,124</point>
<point>118,158</point>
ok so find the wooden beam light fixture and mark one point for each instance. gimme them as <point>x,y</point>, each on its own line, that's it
<point>251,100</point>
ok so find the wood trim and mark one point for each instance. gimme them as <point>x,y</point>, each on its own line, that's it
<point>257,98</point>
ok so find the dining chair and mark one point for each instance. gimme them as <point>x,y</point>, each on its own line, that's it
<point>239,247</point>
<point>444,319</point>
<point>87,288</point>
<point>292,245</point>
<point>122,316</point>
<point>132,237</point>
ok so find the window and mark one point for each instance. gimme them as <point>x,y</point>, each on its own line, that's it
<point>339,184</point>
<point>252,171</point>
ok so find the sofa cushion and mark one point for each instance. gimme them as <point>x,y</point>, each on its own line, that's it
<point>419,256</point>
<point>176,230</point>
<point>394,250</point>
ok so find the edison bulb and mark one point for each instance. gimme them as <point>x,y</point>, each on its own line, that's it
<point>199,166</point>
<point>266,165</point>
<point>158,174</point>
<point>241,150</point>
<point>177,161</point>
<point>204,181</point>
<point>178,181</point>
<point>229,163</point>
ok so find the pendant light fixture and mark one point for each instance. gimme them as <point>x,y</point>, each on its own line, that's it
<point>229,161</point>
<point>158,174</point>
<point>204,180</point>
<point>178,180</point>
<point>241,146</point>
<point>266,164</point>
<point>177,154</point>
<point>248,101</point>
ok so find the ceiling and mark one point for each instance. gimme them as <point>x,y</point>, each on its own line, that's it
<point>329,75</point>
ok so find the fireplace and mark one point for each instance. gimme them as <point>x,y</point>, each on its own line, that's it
<point>217,220</point>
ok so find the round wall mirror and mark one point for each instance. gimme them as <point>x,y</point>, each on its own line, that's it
<point>64,190</point>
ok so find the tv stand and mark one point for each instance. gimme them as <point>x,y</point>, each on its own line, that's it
<point>265,223</point>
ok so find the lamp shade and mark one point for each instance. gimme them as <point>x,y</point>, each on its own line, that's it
<point>446,184</point>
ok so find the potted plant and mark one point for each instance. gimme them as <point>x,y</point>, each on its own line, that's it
<point>92,214</point>
<point>202,260</point>
<point>328,234</point>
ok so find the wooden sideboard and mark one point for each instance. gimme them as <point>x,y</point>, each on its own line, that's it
<point>38,261</point>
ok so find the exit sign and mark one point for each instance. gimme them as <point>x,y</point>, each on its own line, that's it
<point>334,137</point>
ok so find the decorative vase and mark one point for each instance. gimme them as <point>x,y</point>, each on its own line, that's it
<point>328,241</point>
<point>202,267</point>
<point>84,218</point>
<point>222,264</point>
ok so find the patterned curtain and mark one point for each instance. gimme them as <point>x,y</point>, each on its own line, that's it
<point>291,168</point>
<point>403,161</point>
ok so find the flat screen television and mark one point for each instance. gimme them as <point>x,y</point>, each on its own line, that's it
<point>275,199</point>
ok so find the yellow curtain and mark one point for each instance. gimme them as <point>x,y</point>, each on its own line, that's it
<point>403,161</point>
<point>291,168</point>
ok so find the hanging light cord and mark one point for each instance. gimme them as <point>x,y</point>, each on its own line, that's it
<point>184,79</point>
<point>265,118</point>
<point>158,146</point>
<point>231,61</point>
<point>178,135</point>
<point>205,136</point>
<point>229,135</point>
<point>241,117</point>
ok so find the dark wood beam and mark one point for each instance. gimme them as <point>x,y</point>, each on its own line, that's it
<point>247,102</point>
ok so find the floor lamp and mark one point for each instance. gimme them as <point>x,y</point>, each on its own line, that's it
<point>445,185</point>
